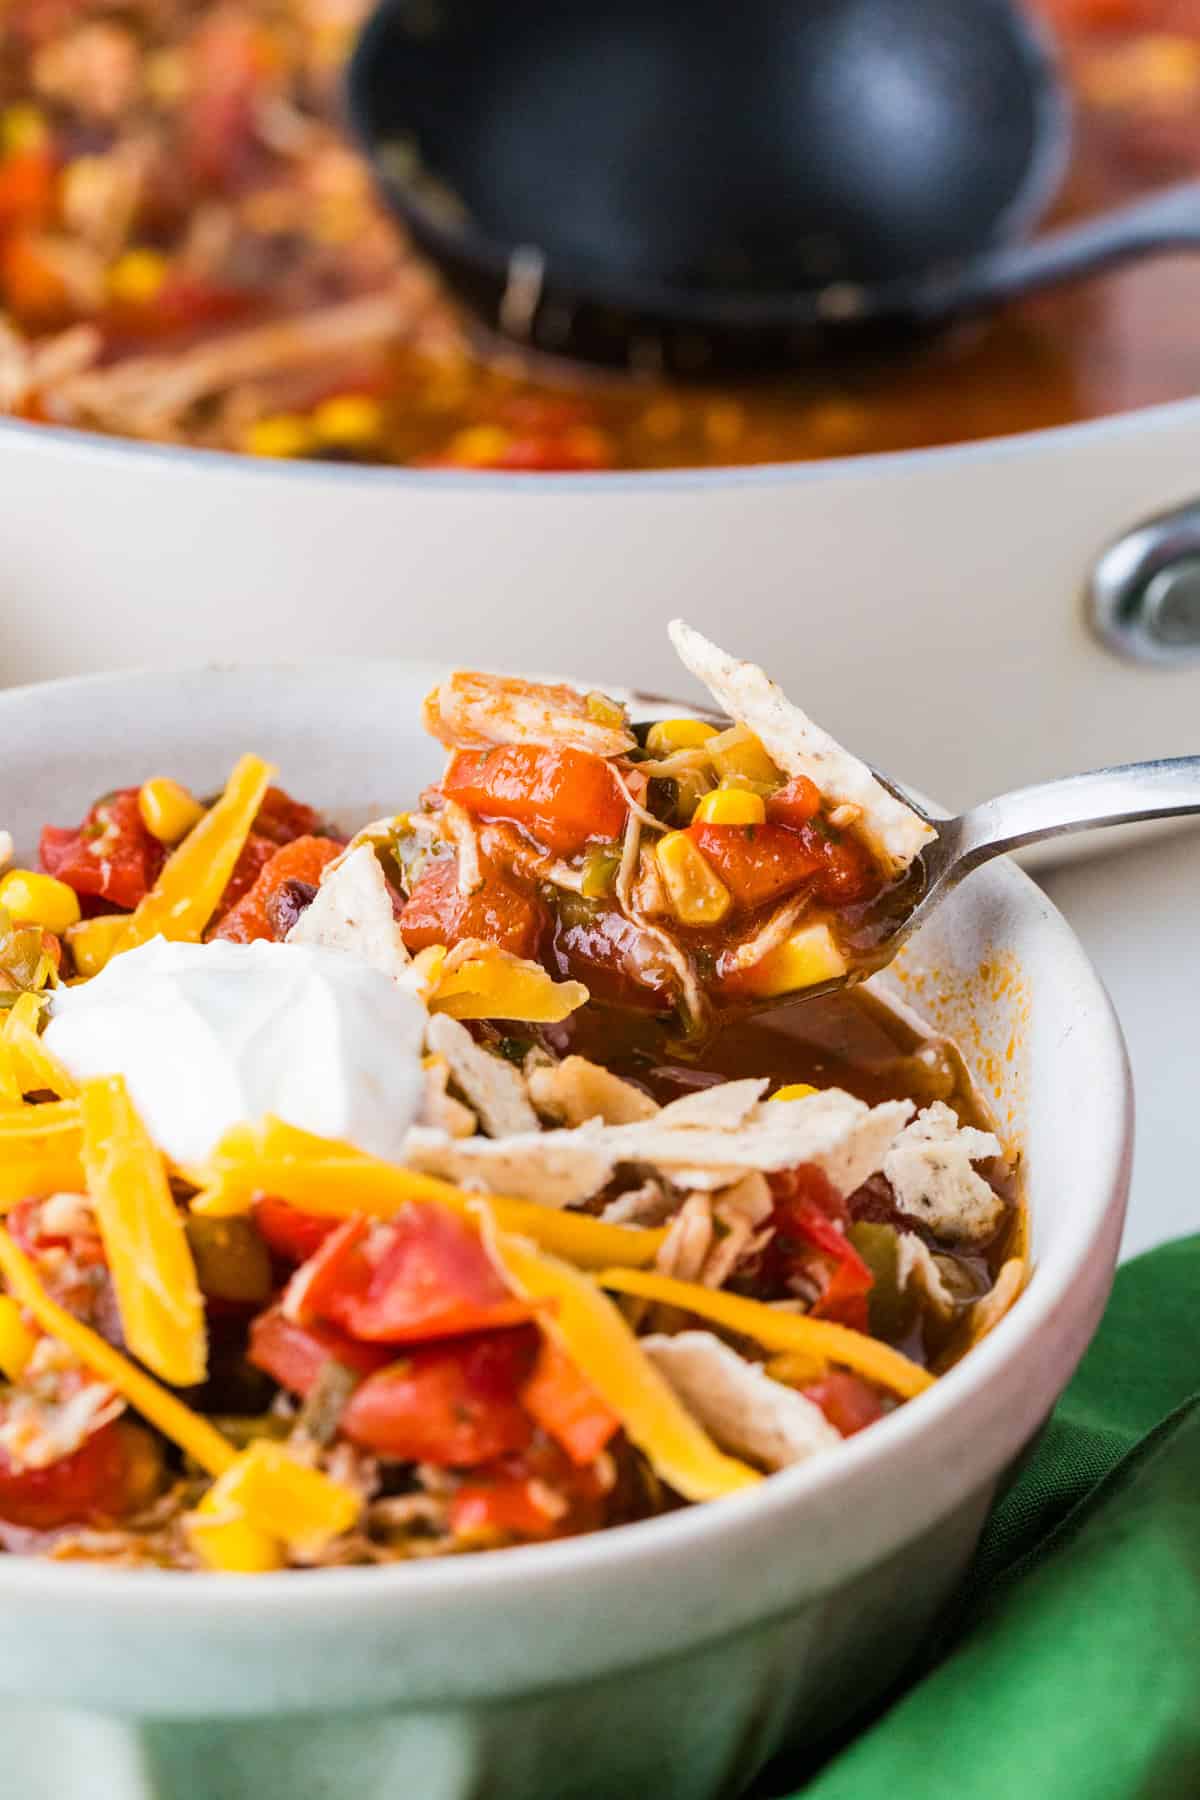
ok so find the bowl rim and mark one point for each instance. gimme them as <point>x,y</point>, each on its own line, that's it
<point>127,1594</point>
<point>23,436</point>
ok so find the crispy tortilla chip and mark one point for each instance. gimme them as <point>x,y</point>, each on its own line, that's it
<point>916,1269</point>
<point>493,1088</point>
<point>929,1167</point>
<point>575,1090</point>
<point>987,1312</point>
<point>552,1168</point>
<point>353,913</point>
<point>738,1403</point>
<point>893,831</point>
<point>723,1106</point>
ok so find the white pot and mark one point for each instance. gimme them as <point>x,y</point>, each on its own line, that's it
<point>669,1657</point>
<point>927,605</point>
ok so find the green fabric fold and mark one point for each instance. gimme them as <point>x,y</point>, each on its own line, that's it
<point>1072,1668</point>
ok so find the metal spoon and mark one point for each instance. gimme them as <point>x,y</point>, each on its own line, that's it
<point>689,184</point>
<point>1126,794</point>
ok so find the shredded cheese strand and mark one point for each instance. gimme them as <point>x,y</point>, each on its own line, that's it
<point>778,1331</point>
<point>194,877</point>
<point>40,1151</point>
<point>154,1275</point>
<point>201,1441</point>
<point>604,1349</point>
<point>333,1180</point>
<point>37,1067</point>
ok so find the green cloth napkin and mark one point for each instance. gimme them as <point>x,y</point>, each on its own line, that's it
<point>1071,1670</point>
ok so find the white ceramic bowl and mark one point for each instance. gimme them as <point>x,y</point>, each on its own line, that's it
<point>669,1657</point>
<point>963,569</point>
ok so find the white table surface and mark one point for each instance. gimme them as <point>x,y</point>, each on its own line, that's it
<point>1138,914</point>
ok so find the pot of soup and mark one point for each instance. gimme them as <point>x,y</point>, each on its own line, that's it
<point>243,421</point>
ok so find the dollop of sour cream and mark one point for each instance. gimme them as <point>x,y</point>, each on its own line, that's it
<point>213,1035</point>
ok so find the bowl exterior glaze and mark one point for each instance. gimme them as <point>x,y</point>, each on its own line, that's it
<point>961,570</point>
<point>671,1657</point>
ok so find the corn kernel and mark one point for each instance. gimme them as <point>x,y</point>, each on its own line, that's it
<point>16,1340</point>
<point>478,446</point>
<point>807,957</point>
<point>226,1541</point>
<point>737,754</point>
<point>22,128</point>
<point>283,1498</point>
<point>668,735</point>
<point>92,941</point>
<point>136,278</point>
<point>168,810</point>
<point>730,806</point>
<point>696,894</point>
<point>280,435</point>
<point>795,1090</point>
<point>795,1369</point>
<point>348,422</point>
<point>35,899</point>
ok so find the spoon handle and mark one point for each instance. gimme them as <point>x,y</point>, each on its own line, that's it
<point>1123,795</point>
<point>1167,220</point>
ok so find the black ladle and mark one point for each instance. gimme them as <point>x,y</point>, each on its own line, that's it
<point>695,183</point>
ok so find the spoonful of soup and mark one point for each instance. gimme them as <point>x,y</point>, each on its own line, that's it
<point>689,186</point>
<point>739,860</point>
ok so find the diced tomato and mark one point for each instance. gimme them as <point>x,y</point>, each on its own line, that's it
<point>849,875</point>
<point>848,1402</point>
<point>89,1487</point>
<point>453,1404</point>
<point>534,1494</point>
<point>28,183</point>
<point>794,804</point>
<point>111,855</point>
<point>301,860</point>
<point>229,63</point>
<point>757,863</point>
<point>566,798</point>
<point>183,303</point>
<point>497,912</point>
<point>293,1355</point>
<point>32,286</point>
<point>425,1274</point>
<point>809,1216</point>
<point>283,819</point>
<point>290,1234</point>
<point>567,1406</point>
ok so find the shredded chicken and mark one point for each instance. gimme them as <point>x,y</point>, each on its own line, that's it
<point>471,710</point>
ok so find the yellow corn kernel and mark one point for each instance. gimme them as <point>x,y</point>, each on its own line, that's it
<point>795,1090</point>
<point>730,806</point>
<point>35,899</point>
<point>224,1540</point>
<point>737,755</point>
<point>669,735</point>
<point>16,1340</point>
<point>348,422</point>
<point>22,128</point>
<point>137,276</point>
<point>696,895</point>
<point>796,1368</point>
<point>477,446</point>
<point>801,961</point>
<point>168,810</point>
<point>92,941</point>
<point>280,435</point>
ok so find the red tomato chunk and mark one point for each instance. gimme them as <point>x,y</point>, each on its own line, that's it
<point>423,1275</point>
<point>294,1355</point>
<point>290,1234</point>
<point>567,1406</point>
<point>91,1486</point>
<point>565,798</point>
<point>453,1404</point>
<point>497,913</point>
<point>809,1220</point>
<point>757,863</point>
<point>110,856</point>
<point>302,860</point>
<point>848,1402</point>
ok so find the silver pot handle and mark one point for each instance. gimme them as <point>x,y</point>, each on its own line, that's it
<point>1143,596</point>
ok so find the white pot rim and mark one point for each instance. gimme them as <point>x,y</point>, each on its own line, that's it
<point>23,438</point>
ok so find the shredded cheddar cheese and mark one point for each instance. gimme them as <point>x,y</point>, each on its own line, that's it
<point>185,896</point>
<point>38,1069</point>
<point>499,986</point>
<point>40,1151</point>
<point>154,1276</point>
<point>605,1350</point>
<point>335,1181</point>
<point>194,1435</point>
<point>778,1331</point>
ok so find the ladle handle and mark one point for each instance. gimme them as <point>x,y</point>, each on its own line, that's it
<point>1124,795</point>
<point>1167,220</point>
